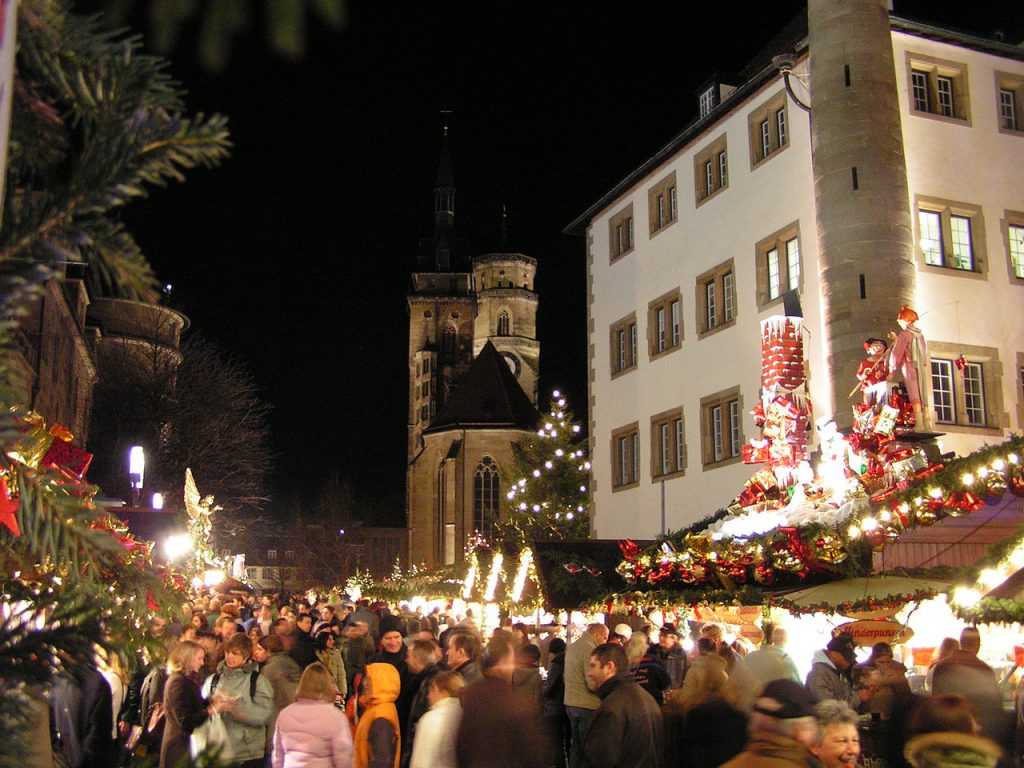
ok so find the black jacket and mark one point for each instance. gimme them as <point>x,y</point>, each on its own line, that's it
<point>626,729</point>
<point>419,686</point>
<point>82,720</point>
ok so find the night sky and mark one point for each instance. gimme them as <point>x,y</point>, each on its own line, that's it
<point>295,255</point>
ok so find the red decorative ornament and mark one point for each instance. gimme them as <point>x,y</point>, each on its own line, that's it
<point>629,549</point>
<point>964,502</point>
<point>1015,482</point>
<point>960,363</point>
<point>150,602</point>
<point>8,508</point>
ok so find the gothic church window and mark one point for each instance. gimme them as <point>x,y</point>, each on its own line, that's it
<point>449,337</point>
<point>485,494</point>
<point>504,323</point>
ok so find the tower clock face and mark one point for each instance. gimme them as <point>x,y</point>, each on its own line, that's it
<point>513,363</point>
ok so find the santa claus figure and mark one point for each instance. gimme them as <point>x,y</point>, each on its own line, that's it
<point>873,373</point>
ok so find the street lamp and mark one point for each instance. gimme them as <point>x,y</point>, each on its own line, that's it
<point>158,501</point>
<point>136,471</point>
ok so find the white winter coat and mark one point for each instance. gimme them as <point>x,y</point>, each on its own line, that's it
<point>312,734</point>
<point>436,732</point>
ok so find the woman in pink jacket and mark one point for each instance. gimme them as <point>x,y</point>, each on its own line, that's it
<point>312,732</point>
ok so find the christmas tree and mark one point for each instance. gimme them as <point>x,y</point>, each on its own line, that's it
<point>550,494</point>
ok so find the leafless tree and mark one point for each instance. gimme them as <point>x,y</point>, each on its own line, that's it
<point>201,409</point>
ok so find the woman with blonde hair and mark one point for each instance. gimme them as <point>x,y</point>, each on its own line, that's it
<point>437,730</point>
<point>184,707</point>
<point>312,732</point>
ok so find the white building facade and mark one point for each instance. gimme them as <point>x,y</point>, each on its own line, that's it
<point>719,230</point>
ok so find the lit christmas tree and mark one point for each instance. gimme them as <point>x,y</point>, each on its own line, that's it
<point>550,496</point>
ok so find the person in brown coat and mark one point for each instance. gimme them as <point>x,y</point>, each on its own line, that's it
<point>184,708</point>
<point>501,727</point>
<point>782,729</point>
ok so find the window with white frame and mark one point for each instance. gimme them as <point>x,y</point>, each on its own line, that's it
<point>1010,102</point>
<point>626,456</point>
<point>624,345</point>
<point>966,387</point>
<point>938,87</point>
<point>664,324</point>
<point>1015,244</point>
<point>716,298</point>
<point>661,203</point>
<point>950,235</point>
<point>778,264</point>
<point>668,446</point>
<point>707,100</point>
<point>721,427</point>
<point>271,554</point>
<point>767,127</point>
<point>711,169</point>
<point>620,232</point>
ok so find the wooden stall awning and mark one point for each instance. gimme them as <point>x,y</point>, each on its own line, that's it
<point>954,542</point>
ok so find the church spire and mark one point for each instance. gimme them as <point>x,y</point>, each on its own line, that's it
<point>444,187</point>
<point>444,251</point>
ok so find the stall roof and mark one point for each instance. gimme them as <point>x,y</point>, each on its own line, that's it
<point>954,542</point>
<point>863,588</point>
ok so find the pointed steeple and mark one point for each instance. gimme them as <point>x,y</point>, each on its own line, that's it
<point>444,251</point>
<point>503,242</point>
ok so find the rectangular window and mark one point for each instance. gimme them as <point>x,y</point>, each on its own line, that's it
<point>937,87</point>
<point>620,232</point>
<point>721,427</point>
<point>636,457</point>
<point>942,391</point>
<point>271,554</point>
<point>974,395</point>
<point>767,128</point>
<point>668,455</point>
<point>711,303</point>
<point>624,462</point>
<point>1007,109</point>
<point>680,445</point>
<point>919,90</point>
<point>963,253</point>
<point>766,138</point>
<point>664,332</point>
<point>711,169</point>
<point>931,237</point>
<point>793,264</point>
<point>950,235</point>
<point>716,298</point>
<point>268,574</point>
<point>661,203</point>
<point>717,439</point>
<point>944,89</point>
<point>774,275</point>
<point>777,265</point>
<point>622,338</point>
<point>780,126</point>
<point>729,295</point>
<point>706,101</point>
<point>1015,233</point>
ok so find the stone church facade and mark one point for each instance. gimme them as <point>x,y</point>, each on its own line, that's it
<point>474,361</point>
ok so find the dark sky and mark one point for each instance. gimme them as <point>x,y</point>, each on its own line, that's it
<point>295,254</point>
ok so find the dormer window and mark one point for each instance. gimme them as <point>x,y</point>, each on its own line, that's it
<point>708,99</point>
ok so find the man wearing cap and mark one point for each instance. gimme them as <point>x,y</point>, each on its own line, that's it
<point>621,634</point>
<point>670,654</point>
<point>627,728</point>
<point>782,729</point>
<point>829,677</point>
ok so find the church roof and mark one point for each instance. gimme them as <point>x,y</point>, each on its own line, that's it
<point>487,396</point>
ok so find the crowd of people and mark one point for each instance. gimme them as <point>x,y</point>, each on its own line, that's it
<point>295,685</point>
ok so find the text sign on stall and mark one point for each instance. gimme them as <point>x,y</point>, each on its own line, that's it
<point>871,632</point>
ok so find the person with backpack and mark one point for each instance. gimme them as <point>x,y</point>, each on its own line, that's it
<point>251,702</point>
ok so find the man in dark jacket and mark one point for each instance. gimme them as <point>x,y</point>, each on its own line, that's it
<point>422,660</point>
<point>626,729</point>
<point>300,642</point>
<point>964,674</point>
<point>670,654</point>
<point>82,719</point>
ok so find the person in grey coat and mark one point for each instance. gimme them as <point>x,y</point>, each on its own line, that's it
<point>829,677</point>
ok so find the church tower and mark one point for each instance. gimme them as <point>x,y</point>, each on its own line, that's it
<point>473,366</point>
